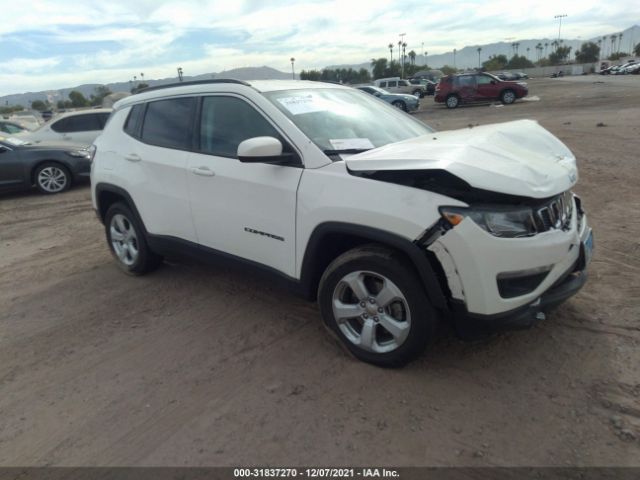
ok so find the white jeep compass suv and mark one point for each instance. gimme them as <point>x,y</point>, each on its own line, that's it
<point>390,225</point>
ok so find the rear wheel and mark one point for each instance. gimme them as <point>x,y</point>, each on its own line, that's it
<point>400,104</point>
<point>418,93</point>
<point>372,298</point>
<point>52,177</point>
<point>452,101</point>
<point>127,242</point>
<point>508,97</point>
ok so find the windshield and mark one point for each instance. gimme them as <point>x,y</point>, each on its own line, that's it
<point>345,120</point>
<point>379,90</point>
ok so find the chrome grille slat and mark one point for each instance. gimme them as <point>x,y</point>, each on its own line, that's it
<point>556,214</point>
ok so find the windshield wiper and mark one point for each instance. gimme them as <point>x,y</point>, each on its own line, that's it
<point>346,150</point>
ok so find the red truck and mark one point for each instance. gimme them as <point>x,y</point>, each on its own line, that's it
<point>453,90</point>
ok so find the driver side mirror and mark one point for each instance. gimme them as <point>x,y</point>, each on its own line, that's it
<point>493,82</point>
<point>264,150</point>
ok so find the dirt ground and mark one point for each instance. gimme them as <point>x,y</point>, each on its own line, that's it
<point>199,365</point>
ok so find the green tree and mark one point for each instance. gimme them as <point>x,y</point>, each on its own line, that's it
<point>519,61</point>
<point>139,87</point>
<point>618,55</point>
<point>495,62</point>
<point>560,56</point>
<point>11,109</point>
<point>636,50</point>
<point>412,57</point>
<point>97,97</point>
<point>77,99</point>
<point>39,105</point>
<point>379,66</point>
<point>588,52</point>
<point>448,70</point>
<point>310,75</point>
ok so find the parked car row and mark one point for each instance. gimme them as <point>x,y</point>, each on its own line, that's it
<point>408,103</point>
<point>630,67</point>
<point>52,168</point>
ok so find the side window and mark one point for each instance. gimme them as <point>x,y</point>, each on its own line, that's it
<point>134,120</point>
<point>167,123</point>
<point>483,80</point>
<point>393,84</point>
<point>383,84</point>
<point>226,122</point>
<point>77,123</point>
<point>466,81</point>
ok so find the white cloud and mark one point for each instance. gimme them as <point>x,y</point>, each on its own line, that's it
<point>316,33</point>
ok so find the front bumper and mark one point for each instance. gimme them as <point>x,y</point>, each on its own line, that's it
<point>470,326</point>
<point>473,261</point>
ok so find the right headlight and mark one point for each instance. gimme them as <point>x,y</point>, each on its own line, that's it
<point>508,223</point>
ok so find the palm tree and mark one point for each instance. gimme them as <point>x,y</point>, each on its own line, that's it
<point>539,50</point>
<point>613,43</point>
<point>528,52</point>
<point>391,51</point>
<point>546,44</point>
<point>412,57</point>
<point>599,48</point>
<point>479,50</point>
<point>604,45</point>
<point>619,42</point>
<point>555,44</point>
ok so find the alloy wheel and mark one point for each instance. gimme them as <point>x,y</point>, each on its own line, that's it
<point>124,239</point>
<point>371,311</point>
<point>52,179</point>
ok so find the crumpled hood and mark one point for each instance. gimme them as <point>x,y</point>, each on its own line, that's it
<point>517,158</point>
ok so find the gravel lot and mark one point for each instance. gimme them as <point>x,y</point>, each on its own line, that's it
<point>198,365</point>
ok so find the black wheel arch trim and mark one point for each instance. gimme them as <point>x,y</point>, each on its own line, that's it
<point>309,277</point>
<point>107,187</point>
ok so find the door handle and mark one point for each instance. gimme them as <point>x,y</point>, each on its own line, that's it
<point>132,157</point>
<point>203,171</point>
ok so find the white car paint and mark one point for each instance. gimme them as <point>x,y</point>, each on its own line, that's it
<point>48,132</point>
<point>175,198</point>
<point>518,158</point>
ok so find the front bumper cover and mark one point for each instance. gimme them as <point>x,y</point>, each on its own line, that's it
<point>471,326</point>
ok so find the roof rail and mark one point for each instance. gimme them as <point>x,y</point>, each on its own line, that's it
<point>194,82</point>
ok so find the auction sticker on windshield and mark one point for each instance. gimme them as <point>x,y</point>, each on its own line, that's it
<point>302,104</point>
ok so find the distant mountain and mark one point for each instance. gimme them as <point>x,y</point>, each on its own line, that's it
<point>467,57</point>
<point>249,73</point>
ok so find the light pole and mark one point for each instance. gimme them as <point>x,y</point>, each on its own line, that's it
<point>180,73</point>
<point>560,17</point>
<point>400,57</point>
<point>293,72</point>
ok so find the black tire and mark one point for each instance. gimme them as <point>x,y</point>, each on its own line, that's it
<point>146,260</point>
<point>452,101</point>
<point>52,177</point>
<point>377,260</point>
<point>418,93</point>
<point>400,104</point>
<point>507,97</point>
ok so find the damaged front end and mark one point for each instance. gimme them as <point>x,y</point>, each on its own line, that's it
<point>520,244</point>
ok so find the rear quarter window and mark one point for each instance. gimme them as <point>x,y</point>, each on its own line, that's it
<point>134,121</point>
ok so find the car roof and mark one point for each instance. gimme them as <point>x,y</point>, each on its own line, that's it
<point>83,112</point>
<point>221,85</point>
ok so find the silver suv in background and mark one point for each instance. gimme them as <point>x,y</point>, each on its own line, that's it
<point>398,85</point>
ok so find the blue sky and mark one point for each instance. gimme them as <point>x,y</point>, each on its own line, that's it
<point>47,44</point>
